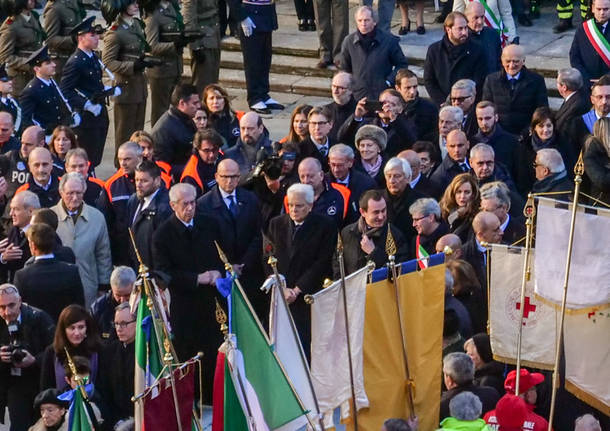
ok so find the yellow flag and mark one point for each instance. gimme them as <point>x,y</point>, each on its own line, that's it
<point>422,303</point>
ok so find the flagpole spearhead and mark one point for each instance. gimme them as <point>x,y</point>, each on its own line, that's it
<point>339,245</point>
<point>579,167</point>
<point>223,257</point>
<point>390,244</point>
<point>221,318</point>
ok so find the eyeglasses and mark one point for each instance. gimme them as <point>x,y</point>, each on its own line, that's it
<point>317,123</point>
<point>418,219</point>
<point>229,177</point>
<point>459,99</point>
<point>535,165</point>
<point>122,325</point>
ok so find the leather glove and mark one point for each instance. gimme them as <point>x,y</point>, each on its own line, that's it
<point>95,109</point>
<point>248,26</point>
<point>139,65</point>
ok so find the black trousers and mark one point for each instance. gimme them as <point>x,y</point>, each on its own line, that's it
<point>20,400</point>
<point>304,9</point>
<point>256,51</point>
<point>92,133</point>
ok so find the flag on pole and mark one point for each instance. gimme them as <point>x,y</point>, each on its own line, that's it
<point>587,353</point>
<point>329,356</point>
<point>79,416</point>
<point>589,282</point>
<point>540,320</point>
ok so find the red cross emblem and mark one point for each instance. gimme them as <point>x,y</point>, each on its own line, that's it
<point>529,307</point>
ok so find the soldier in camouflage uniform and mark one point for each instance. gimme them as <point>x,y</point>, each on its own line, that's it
<point>20,36</point>
<point>202,16</point>
<point>59,18</point>
<point>164,26</point>
<point>124,48</point>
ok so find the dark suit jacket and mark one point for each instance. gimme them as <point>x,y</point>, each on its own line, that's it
<point>489,398</point>
<point>515,230</point>
<point>472,255</point>
<point>428,188</point>
<point>424,115</point>
<point>340,114</point>
<point>115,381</point>
<point>308,149</point>
<point>145,224</point>
<point>585,58</point>
<point>398,211</point>
<point>16,237</point>
<point>50,285</point>
<point>445,172</point>
<point>577,105</point>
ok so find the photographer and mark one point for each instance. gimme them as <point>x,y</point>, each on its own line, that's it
<point>24,333</point>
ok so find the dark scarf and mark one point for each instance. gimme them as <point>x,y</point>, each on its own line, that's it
<point>539,144</point>
<point>364,229</point>
<point>367,39</point>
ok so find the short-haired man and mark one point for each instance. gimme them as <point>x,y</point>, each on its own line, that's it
<point>252,139</point>
<point>8,142</point>
<point>47,216</point>
<point>42,181</point>
<point>487,37</point>
<point>495,198</point>
<point>343,103</point>
<point>20,375</point>
<point>449,118</point>
<point>422,113</point>
<point>83,229</point>
<point>419,182</point>
<point>584,53</point>
<point>174,130</point>
<point>77,161</point>
<point>463,95</point>
<point>551,174</point>
<point>486,228</point>
<point>341,161</point>
<point>147,208</point>
<point>371,55</point>
<point>515,90</point>
<point>399,195</point>
<point>192,277</point>
<point>455,162</point>
<point>48,283</point>
<point>201,168</point>
<point>575,96</point>
<point>122,281</point>
<point>582,126</point>
<point>427,221</point>
<point>304,243</point>
<point>587,422</point>
<point>364,240</point>
<point>318,143</point>
<point>458,375</point>
<point>453,57</point>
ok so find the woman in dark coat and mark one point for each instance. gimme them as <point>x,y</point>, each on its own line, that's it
<point>371,142</point>
<point>487,372</point>
<point>596,156</point>
<point>467,290</point>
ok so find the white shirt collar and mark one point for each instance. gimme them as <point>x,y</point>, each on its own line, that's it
<point>46,187</point>
<point>318,146</point>
<point>415,181</point>
<point>505,224</point>
<point>45,256</point>
<point>189,224</point>
<point>47,82</point>
<point>148,199</point>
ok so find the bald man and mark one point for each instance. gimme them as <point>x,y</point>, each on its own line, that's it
<point>420,182</point>
<point>7,127</point>
<point>486,228</point>
<point>42,181</point>
<point>455,162</point>
<point>237,212</point>
<point>252,137</point>
<point>487,37</point>
<point>454,243</point>
<point>515,90</point>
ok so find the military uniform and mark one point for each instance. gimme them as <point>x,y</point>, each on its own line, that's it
<point>82,78</point>
<point>43,105</point>
<point>124,44</point>
<point>11,105</point>
<point>59,18</point>
<point>202,16</point>
<point>165,18</point>
<point>20,36</point>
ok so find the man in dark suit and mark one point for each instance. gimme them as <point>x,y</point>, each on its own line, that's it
<point>14,248</point>
<point>486,228</point>
<point>515,90</point>
<point>455,162</point>
<point>427,221</point>
<point>237,214</point>
<point>495,198</point>
<point>575,99</point>
<point>341,162</point>
<point>48,283</point>
<point>147,208</point>
<point>122,281</point>
<point>183,247</point>
<point>318,144</point>
<point>485,36</point>
<point>420,183</point>
<point>304,243</point>
<point>422,113</point>
<point>582,126</point>
<point>343,103</point>
<point>463,95</point>
<point>48,217</point>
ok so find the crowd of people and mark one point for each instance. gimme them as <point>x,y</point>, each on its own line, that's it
<point>450,172</point>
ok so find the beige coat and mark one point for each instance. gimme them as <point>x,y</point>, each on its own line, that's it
<point>39,426</point>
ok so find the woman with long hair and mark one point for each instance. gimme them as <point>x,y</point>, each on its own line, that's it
<point>221,117</point>
<point>77,333</point>
<point>62,140</point>
<point>299,126</point>
<point>460,203</point>
<point>467,290</point>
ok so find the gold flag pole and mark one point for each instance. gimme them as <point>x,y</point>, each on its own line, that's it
<point>347,334</point>
<point>390,248</point>
<point>80,386</point>
<point>579,170</point>
<point>529,211</point>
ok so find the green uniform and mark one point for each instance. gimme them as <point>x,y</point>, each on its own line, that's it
<point>59,18</point>
<point>202,16</point>
<point>20,36</point>
<point>164,19</point>
<point>124,43</point>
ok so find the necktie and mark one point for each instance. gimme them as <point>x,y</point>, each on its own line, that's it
<point>324,150</point>
<point>513,85</point>
<point>296,229</point>
<point>464,167</point>
<point>233,205</point>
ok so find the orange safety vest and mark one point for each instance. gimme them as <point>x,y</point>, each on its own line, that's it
<point>190,170</point>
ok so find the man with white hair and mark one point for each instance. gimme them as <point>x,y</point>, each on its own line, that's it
<point>495,198</point>
<point>304,243</point>
<point>399,196</point>
<point>83,228</point>
<point>449,118</point>
<point>343,104</point>
<point>183,247</point>
<point>587,422</point>
<point>465,409</point>
<point>463,95</point>
<point>551,175</point>
<point>341,166</point>
<point>427,221</point>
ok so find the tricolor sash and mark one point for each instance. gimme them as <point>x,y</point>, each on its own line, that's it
<point>598,40</point>
<point>491,20</point>
<point>421,254</point>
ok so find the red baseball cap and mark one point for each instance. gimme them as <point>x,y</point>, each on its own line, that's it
<point>511,412</point>
<point>527,381</point>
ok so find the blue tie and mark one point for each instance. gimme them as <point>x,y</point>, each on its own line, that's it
<point>233,205</point>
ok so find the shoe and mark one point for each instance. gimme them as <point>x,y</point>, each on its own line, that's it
<point>524,20</point>
<point>274,104</point>
<point>302,24</point>
<point>260,108</point>
<point>323,64</point>
<point>404,30</point>
<point>564,25</point>
<point>311,25</point>
<point>440,19</point>
<point>420,30</point>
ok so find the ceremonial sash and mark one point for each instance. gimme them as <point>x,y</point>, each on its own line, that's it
<point>491,20</point>
<point>598,40</point>
<point>421,254</point>
<point>589,118</point>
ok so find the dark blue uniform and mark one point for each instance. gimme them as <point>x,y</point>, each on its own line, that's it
<point>41,104</point>
<point>331,204</point>
<point>10,105</point>
<point>82,78</point>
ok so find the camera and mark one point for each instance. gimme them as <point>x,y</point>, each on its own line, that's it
<point>15,347</point>
<point>268,163</point>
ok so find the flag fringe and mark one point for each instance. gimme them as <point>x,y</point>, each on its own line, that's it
<point>525,363</point>
<point>588,398</point>
<point>572,311</point>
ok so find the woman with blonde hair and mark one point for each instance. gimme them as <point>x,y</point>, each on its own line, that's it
<point>460,204</point>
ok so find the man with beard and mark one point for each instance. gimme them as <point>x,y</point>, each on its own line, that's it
<point>251,140</point>
<point>343,103</point>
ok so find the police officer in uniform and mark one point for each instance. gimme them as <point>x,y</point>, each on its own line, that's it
<point>42,102</point>
<point>20,36</point>
<point>7,102</point>
<point>162,18</point>
<point>258,20</point>
<point>124,48</point>
<point>59,19</point>
<point>201,16</point>
<point>82,86</point>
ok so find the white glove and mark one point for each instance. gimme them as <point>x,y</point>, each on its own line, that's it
<point>271,281</point>
<point>75,119</point>
<point>248,26</point>
<point>117,91</point>
<point>94,109</point>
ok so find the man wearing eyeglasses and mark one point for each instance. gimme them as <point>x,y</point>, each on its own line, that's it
<point>343,103</point>
<point>317,145</point>
<point>115,376</point>
<point>201,167</point>
<point>463,95</point>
